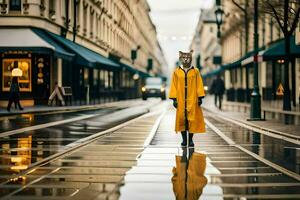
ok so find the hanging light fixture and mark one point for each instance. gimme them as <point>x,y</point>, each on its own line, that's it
<point>219,17</point>
<point>16,72</point>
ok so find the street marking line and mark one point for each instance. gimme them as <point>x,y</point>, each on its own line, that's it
<point>272,133</point>
<point>154,129</point>
<point>46,125</point>
<point>263,160</point>
<point>122,104</point>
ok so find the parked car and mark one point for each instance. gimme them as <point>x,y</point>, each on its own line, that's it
<point>154,87</point>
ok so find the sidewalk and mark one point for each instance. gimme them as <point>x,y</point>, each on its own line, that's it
<point>45,108</point>
<point>271,125</point>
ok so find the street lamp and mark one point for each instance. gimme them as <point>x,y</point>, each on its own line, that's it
<point>255,113</point>
<point>219,17</point>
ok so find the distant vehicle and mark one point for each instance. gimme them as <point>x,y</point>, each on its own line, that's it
<point>154,87</point>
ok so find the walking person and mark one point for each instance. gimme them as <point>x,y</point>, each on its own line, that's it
<point>187,92</point>
<point>218,89</point>
<point>14,95</point>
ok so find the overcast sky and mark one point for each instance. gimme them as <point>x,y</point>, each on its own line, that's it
<point>176,21</point>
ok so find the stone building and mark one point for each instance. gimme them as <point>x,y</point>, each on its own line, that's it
<point>207,50</point>
<point>103,49</point>
<point>237,55</point>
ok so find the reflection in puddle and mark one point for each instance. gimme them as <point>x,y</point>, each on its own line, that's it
<point>17,160</point>
<point>188,176</point>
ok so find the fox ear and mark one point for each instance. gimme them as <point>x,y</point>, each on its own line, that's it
<point>191,51</point>
<point>180,53</point>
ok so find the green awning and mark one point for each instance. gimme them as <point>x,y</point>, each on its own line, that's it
<point>85,56</point>
<point>26,39</point>
<point>232,65</point>
<point>59,50</point>
<point>129,68</point>
<point>213,72</point>
<point>245,60</point>
<point>133,70</point>
<point>277,50</point>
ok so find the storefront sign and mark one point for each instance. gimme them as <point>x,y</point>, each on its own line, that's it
<point>280,90</point>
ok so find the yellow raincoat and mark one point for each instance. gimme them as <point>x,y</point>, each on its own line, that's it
<point>188,177</point>
<point>187,99</point>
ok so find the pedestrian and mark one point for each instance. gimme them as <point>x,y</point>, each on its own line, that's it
<point>187,93</point>
<point>218,89</point>
<point>14,95</point>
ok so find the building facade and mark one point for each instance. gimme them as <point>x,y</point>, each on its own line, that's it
<point>207,49</point>
<point>237,55</point>
<point>103,49</point>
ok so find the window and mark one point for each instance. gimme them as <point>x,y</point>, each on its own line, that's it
<point>106,78</point>
<point>51,8</point>
<point>63,9</point>
<point>86,76</point>
<point>95,78</point>
<point>15,5</point>
<point>24,80</point>
<point>85,19</point>
<point>101,77</point>
<point>91,22</point>
<point>111,79</point>
<point>81,77</point>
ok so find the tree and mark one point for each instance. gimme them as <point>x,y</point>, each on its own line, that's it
<point>286,13</point>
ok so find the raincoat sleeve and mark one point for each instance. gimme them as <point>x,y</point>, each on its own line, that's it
<point>173,89</point>
<point>200,88</point>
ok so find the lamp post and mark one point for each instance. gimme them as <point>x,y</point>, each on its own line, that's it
<point>219,17</point>
<point>255,96</point>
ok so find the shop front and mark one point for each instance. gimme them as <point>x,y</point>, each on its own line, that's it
<point>35,80</point>
<point>24,49</point>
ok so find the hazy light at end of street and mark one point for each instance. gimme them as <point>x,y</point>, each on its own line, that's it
<point>176,21</point>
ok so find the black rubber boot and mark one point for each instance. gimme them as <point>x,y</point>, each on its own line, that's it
<point>191,143</point>
<point>184,139</point>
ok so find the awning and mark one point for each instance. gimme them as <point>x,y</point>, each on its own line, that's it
<point>277,50</point>
<point>240,62</point>
<point>213,73</point>
<point>85,56</point>
<point>245,60</point>
<point>129,68</point>
<point>13,39</point>
<point>133,70</point>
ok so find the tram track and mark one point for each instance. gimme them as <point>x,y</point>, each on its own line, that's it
<point>260,129</point>
<point>209,120</point>
<point>110,135</point>
<point>232,170</point>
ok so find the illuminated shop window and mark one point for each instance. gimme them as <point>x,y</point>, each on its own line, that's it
<point>24,80</point>
<point>86,76</point>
